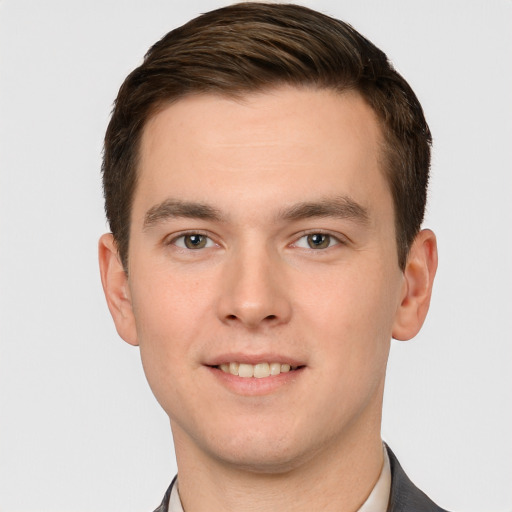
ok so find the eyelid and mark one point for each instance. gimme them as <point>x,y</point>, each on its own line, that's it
<point>338,237</point>
<point>171,239</point>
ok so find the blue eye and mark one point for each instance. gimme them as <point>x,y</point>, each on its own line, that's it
<point>193,241</point>
<point>316,241</point>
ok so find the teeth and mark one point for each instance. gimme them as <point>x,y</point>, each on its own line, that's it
<point>262,370</point>
<point>275,369</point>
<point>233,368</point>
<point>259,371</point>
<point>245,370</point>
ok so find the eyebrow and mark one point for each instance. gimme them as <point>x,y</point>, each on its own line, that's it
<point>173,208</point>
<point>341,207</point>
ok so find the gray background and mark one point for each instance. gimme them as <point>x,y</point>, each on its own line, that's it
<point>79,428</point>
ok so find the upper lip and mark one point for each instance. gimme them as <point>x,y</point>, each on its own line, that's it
<point>245,358</point>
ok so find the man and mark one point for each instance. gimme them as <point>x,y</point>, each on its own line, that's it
<point>265,175</point>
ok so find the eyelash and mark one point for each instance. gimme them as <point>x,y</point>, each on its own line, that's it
<point>183,236</point>
<point>210,242</point>
<point>332,238</point>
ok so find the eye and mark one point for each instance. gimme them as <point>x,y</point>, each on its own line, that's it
<point>193,241</point>
<point>316,241</point>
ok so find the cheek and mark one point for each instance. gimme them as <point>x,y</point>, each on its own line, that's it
<point>353,317</point>
<point>170,316</point>
<point>360,298</point>
<point>168,305</point>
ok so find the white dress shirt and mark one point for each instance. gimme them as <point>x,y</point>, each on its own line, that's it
<point>376,502</point>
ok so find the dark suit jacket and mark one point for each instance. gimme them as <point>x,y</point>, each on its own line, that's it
<point>404,497</point>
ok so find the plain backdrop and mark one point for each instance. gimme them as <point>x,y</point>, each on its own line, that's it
<point>79,428</point>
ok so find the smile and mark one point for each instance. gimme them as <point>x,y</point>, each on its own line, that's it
<point>258,371</point>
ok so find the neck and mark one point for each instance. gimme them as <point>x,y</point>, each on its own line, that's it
<point>337,479</point>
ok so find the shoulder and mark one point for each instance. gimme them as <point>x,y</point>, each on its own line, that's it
<point>405,496</point>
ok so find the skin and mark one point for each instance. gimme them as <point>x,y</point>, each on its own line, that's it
<point>258,292</point>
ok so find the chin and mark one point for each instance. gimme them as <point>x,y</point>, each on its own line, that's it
<point>265,451</point>
<point>262,459</point>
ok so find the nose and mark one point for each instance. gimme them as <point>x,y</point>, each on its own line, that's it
<point>253,291</point>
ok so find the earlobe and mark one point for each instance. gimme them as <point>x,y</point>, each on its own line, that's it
<point>419,276</point>
<point>115,287</point>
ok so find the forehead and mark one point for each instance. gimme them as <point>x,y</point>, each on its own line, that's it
<point>285,144</point>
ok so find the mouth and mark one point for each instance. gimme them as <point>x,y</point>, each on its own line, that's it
<point>257,371</point>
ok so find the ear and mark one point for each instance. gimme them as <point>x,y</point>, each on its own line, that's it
<point>116,289</point>
<point>419,275</point>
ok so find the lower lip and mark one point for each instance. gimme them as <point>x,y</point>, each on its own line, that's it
<point>252,386</point>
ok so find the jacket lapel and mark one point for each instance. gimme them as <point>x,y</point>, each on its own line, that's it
<point>164,506</point>
<point>405,496</point>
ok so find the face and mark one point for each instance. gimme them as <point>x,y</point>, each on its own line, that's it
<point>262,244</point>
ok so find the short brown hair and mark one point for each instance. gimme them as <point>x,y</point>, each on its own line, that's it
<point>251,47</point>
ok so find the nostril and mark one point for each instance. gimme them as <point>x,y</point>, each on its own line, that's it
<point>270,317</point>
